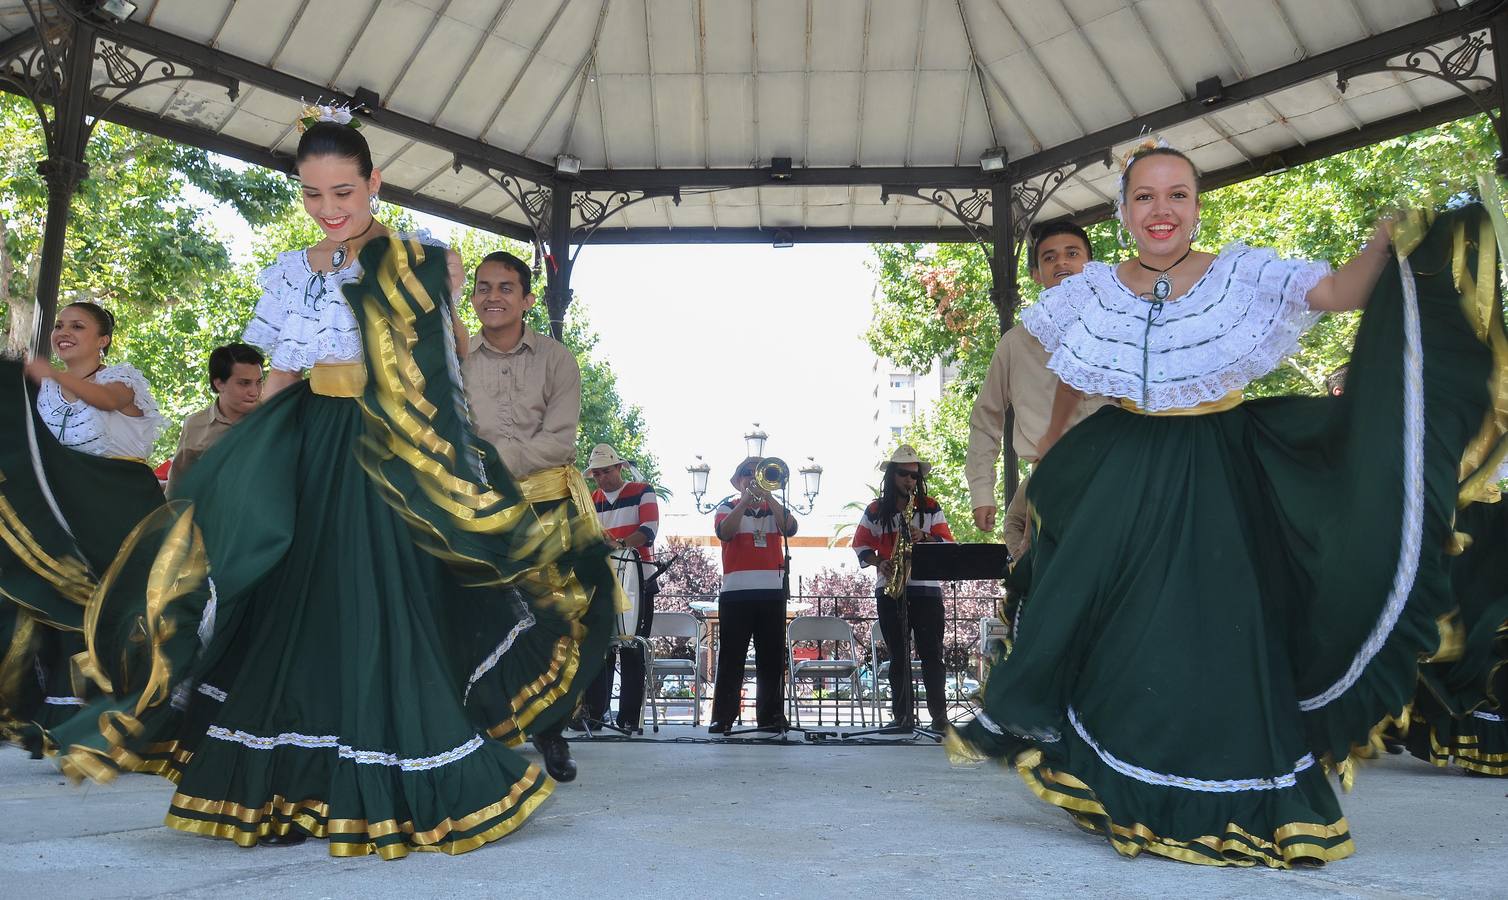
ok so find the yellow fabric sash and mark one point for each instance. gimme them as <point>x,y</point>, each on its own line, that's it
<point>557,484</point>
<point>346,379</point>
<point>1229,401</point>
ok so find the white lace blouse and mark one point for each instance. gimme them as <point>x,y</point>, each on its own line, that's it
<point>1235,324</point>
<point>98,432</point>
<point>303,318</point>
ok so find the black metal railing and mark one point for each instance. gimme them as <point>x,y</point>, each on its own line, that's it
<point>830,701</point>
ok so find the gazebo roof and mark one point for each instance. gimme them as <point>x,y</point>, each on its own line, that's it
<point>866,98</point>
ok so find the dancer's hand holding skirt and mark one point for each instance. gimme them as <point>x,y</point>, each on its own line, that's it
<point>1223,606</point>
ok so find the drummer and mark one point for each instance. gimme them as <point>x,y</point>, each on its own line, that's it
<point>630,517</point>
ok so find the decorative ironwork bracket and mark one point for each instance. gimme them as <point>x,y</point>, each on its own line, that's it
<point>1029,197</point>
<point>124,75</point>
<point>1460,68</point>
<point>968,209</point>
<point>535,201</point>
<point>40,67</point>
<point>594,212</point>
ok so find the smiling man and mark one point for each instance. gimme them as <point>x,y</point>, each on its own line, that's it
<point>1019,380</point>
<point>235,377</point>
<point>524,389</point>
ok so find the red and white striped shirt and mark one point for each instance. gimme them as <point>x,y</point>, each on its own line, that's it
<point>632,507</point>
<point>753,560</point>
<point>873,534</point>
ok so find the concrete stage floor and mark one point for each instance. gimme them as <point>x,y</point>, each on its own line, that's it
<point>696,820</point>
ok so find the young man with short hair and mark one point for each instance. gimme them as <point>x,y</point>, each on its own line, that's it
<point>524,390</point>
<point>235,378</point>
<point>1019,380</point>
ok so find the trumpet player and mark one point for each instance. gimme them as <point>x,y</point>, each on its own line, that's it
<point>752,601</point>
<point>886,523</point>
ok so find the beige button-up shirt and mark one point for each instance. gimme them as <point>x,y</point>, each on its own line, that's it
<point>200,431</point>
<point>1018,379</point>
<point>526,401</point>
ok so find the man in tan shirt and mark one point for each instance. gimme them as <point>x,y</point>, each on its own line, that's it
<point>524,390</point>
<point>235,377</point>
<point>1019,380</point>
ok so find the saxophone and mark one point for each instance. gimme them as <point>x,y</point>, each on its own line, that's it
<point>900,560</point>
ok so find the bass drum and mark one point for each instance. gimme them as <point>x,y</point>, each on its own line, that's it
<point>626,566</point>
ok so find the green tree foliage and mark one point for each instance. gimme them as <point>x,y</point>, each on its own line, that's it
<point>142,241</point>
<point>933,300</point>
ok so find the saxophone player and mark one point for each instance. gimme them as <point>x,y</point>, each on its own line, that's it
<point>904,514</point>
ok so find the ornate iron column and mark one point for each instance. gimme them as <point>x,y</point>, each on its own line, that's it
<point>558,260</point>
<point>1005,294</point>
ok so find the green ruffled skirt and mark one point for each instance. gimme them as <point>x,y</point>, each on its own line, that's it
<point>351,613</point>
<point>49,563</point>
<point>1223,606</point>
<point>1458,714</point>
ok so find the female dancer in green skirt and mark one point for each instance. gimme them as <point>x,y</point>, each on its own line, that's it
<point>1228,596</point>
<point>349,613</point>
<point>90,426</point>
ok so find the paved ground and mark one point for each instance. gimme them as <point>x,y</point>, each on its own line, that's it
<point>701,820</point>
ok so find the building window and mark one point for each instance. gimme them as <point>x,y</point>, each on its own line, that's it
<point>902,380</point>
<point>895,432</point>
<point>902,408</point>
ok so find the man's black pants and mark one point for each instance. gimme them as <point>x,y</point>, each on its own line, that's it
<point>743,615</point>
<point>631,660</point>
<point>924,614</point>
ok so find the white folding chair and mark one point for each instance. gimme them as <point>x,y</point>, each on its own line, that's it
<point>674,625</point>
<point>882,670</point>
<point>816,630</point>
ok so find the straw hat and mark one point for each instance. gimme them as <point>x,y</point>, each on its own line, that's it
<point>604,456</point>
<point>906,453</point>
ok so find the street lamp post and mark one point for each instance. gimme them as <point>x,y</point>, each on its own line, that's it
<point>754,443</point>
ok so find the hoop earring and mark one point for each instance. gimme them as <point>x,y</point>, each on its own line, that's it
<point>1122,236</point>
<point>1194,234</point>
<point>375,204</point>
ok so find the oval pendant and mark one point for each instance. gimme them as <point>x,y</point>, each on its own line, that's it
<point>338,258</point>
<point>1162,288</point>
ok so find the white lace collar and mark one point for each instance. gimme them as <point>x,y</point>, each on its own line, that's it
<point>1234,325</point>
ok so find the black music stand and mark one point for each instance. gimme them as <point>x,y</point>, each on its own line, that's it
<point>959,562</point>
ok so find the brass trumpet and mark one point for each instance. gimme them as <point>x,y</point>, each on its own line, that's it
<point>772,474</point>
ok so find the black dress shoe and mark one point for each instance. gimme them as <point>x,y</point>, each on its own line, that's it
<point>557,756</point>
<point>780,724</point>
<point>718,728</point>
<point>939,725</point>
<point>292,838</point>
<point>31,741</point>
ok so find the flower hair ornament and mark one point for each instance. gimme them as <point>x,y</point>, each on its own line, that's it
<point>339,113</point>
